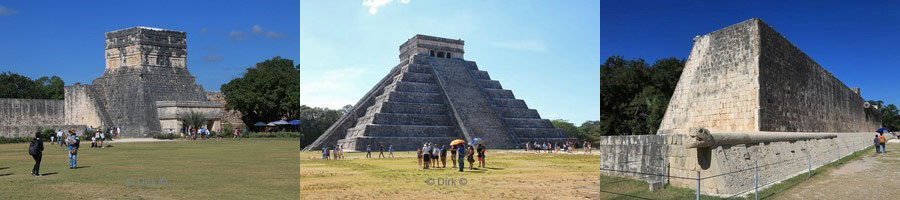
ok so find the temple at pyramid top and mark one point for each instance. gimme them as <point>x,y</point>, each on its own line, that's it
<point>432,46</point>
<point>434,95</point>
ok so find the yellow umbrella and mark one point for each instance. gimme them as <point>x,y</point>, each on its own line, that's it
<point>457,141</point>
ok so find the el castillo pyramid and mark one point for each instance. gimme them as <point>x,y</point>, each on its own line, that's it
<point>434,95</point>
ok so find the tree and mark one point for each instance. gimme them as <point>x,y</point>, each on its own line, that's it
<point>890,115</point>
<point>315,121</point>
<point>346,109</point>
<point>635,95</point>
<point>192,120</point>
<point>266,92</point>
<point>568,128</point>
<point>13,85</point>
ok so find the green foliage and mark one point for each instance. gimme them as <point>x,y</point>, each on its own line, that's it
<point>273,135</point>
<point>315,121</point>
<point>193,119</point>
<point>890,115</point>
<point>164,136</point>
<point>266,92</point>
<point>634,95</point>
<point>5,140</point>
<point>570,129</point>
<point>13,85</point>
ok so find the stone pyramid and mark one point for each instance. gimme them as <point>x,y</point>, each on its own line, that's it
<point>434,95</point>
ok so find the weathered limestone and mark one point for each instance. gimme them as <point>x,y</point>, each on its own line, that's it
<point>22,117</point>
<point>747,96</point>
<point>434,95</point>
<point>143,65</point>
<point>230,118</point>
<point>747,77</point>
<point>170,112</point>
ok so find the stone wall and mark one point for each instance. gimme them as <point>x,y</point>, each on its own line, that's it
<point>31,111</point>
<point>22,117</point>
<point>28,130</point>
<point>747,77</point>
<point>724,170</point>
<point>719,86</point>
<point>796,94</point>
<point>230,118</point>
<point>82,106</point>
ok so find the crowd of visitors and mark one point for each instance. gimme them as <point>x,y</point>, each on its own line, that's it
<point>556,147</point>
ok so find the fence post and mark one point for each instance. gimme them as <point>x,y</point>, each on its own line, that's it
<point>756,179</point>
<point>808,164</point>
<point>698,185</point>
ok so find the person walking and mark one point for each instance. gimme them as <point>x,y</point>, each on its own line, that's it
<point>435,154</point>
<point>235,134</point>
<point>881,141</point>
<point>426,150</point>
<point>324,152</point>
<point>36,149</point>
<point>73,144</point>
<point>419,156</point>
<point>391,151</point>
<point>102,138</point>
<point>453,155</point>
<point>461,156</point>
<point>481,151</point>
<point>443,157</point>
<point>368,151</point>
<point>470,152</point>
<point>59,137</point>
<point>381,151</point>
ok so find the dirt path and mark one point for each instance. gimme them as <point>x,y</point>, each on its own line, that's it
<point>871,177</point>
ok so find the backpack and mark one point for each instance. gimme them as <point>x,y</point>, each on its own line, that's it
<point>32,148</point>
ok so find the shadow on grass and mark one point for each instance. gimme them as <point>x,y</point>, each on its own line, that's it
<point>7,174</point>
<point>494,168</point>
<point>4,167</point>
<point>48,174</point>
<point>79,167</point>
<point>624,195</point>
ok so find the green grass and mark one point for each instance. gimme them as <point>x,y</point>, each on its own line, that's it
<point>245,169</point>
<point>508,176</point>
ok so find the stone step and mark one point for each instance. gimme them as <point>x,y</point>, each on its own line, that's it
<point>518,112</point>
<point>400,143</point>
<point>528,123</point>
<point>478,74</point>
<point>412,97</point>
<point>382,130</point>
<point>499,93</point>
<point>418,77</point>
<point>406,86</point>
<point>489,84</point>
<point>508,103</point>
<point>526,133</point>
<point>418,69</point>
<point>414,108</point>
<point>412,119</point>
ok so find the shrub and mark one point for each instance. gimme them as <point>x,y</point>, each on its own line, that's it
<point>272,135</point>
<point>163,136</point>
<point>5,140</point>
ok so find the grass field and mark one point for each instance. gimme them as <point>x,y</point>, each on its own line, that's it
<point>507,175</point>
<point>245,169</point>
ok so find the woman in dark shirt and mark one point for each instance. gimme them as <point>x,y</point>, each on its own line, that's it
<point>481,155</point>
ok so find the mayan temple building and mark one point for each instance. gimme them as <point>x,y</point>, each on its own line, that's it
<point>145,88</point>
<point>434,95</point>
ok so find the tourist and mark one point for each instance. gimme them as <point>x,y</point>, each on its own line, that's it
<point>453,155</point>
<point>881,141</point>
<point>235,134</point>
<point>368,151</point>
<point>36,149</point>
<point>527,146</point>
<point>102,138</point>
<point>341,151</point>
<point>481,150</point>
<point>324,152</point>
<point>461,156</point>
<point>59,137</point>
<point>877,145</point>
<point>590,147</point>
<point>426,155</point>
<point>380,151</point>
<point>544,147</point>
<point>419,156</point>
<point>435,154</point>
<point>94,140</point>
<point>391,150</point>
<point>52,139</point>
<point>118,132</point>
<point>443,157</point>
<point>73,144</point>
<point>470,152</point>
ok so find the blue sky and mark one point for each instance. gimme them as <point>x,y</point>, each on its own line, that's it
<point>66,38</point>
<point>856,41</point>
<point>546,52</point>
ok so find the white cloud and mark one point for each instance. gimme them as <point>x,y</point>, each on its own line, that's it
<point>332,89</point>
<point>236,35</point>
<point>211,58</point>
<point>528,45</point>
<point>8,11</point>
<point>375,4</point>
<point>257,28</point>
